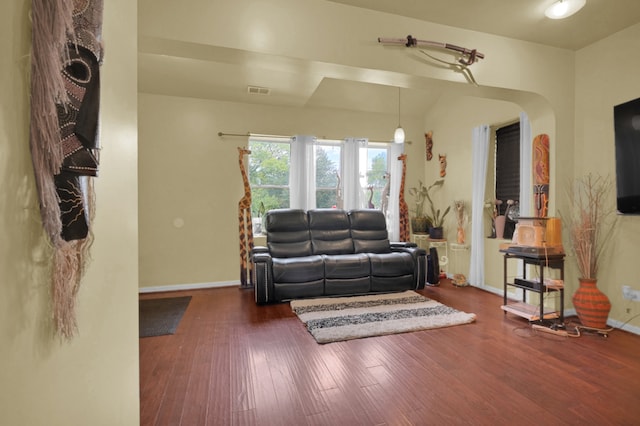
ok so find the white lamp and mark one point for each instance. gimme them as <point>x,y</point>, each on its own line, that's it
<point>398,135</point>
<point>564,8</point>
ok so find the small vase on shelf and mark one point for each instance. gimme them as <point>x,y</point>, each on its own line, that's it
<point>500,222</point>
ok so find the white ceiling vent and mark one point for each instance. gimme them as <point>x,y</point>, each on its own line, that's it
<point>257,90</point>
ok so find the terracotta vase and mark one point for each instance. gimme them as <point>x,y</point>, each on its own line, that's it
<point>592,305</point>
<point>500,222</point>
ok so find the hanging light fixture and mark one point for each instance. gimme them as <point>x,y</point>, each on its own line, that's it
<point>398,135</point>
<point>564,8</point>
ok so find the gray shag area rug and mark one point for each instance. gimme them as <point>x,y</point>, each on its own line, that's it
<point>343,318</point>
<point>158,317</point>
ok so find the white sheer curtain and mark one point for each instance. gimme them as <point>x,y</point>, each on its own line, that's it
<point>480,155</point>
<point>526,157</point>
<point>302,173</point>
<point>354,167</point>
<point>393,209</point>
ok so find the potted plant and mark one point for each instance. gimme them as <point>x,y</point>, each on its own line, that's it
<point>435,217</point>
<point>589,226</point>
<point>419,222</point>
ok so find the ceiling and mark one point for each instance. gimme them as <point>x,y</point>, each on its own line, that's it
<point>519,19</point>
<point>179,68</point>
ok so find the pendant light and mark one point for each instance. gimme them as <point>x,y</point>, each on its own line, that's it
<point>564,8</point>
<point>398,135</point>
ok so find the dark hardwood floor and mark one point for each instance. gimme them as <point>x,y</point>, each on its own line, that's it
<point>234,363</point>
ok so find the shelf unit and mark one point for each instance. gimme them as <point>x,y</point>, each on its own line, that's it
<point>538,285</point>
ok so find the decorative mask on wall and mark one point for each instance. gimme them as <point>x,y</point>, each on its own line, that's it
<point>65,93</point>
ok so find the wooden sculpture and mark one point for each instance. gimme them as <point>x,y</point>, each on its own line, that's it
<point>541,175</point>
<point>386,191</point>
<point>443,164</point>
<point>404,209</point>
<point>428,140</point>
<point>245,231</point>
<point>370,203</point>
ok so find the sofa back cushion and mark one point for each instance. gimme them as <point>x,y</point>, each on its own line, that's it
<point>288,233</point>
<point>369,231</point>
<point>329,229</point>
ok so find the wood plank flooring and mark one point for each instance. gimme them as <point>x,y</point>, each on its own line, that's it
<point>234,363</point>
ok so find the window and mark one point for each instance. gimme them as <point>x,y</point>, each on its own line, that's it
<point>376,174</point>
<point>269,164</point>
<point>328,156</point>
<point>271,161</point>
<point>507,170</point>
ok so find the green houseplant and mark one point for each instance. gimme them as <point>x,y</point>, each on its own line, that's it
<point>434,219</point>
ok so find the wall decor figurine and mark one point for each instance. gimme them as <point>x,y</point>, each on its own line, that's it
<point>443,164</point>
<point>66,56</point>
<point>541,175</point>
<point>428,139</point>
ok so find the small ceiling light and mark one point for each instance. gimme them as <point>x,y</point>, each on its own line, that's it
<point>564,8</point>
<point>398,135</point>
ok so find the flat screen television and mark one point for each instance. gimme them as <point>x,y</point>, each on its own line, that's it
<point>626,118</point>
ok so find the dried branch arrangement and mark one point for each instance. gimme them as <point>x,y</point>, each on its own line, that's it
<point>590,222</point>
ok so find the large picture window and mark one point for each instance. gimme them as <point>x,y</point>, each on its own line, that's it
<point>271,162</point>
<point>269,165</point>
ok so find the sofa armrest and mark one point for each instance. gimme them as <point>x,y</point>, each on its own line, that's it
<point>419,258</point>
<point>259,249</point>
<point>263,266</point>
<point>402,244</point>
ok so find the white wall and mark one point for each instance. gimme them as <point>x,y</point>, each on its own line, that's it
<point>92,380</point>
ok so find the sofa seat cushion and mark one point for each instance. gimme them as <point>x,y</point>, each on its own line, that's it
<point>298,269</point>
<point>391,264</point>
<point>346,266</point>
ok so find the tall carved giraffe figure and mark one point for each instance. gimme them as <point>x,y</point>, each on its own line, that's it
<point>404,209</point>
<point>245,230</point>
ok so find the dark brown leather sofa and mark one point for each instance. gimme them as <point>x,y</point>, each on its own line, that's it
<point>332,252</point>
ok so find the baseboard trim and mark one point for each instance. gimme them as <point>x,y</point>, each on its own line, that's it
<point>194,286</point>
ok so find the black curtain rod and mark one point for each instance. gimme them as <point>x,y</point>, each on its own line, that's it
<point>249,134</point>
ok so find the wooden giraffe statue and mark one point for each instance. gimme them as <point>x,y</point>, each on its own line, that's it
<point>245,225</point>
<point>370,203</point>
<point>404,209</point>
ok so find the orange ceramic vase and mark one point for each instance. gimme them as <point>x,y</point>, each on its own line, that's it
<point>592,305</point>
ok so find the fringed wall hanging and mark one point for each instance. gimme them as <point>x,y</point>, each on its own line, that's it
<point>65,100</point>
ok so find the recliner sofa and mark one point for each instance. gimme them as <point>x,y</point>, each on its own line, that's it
<point>332,252</point>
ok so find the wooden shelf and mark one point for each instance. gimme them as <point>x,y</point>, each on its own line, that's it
<point>530,312</point>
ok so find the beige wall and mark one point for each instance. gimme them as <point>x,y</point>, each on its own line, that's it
<point>607,75</point>
<point>176,134</point>
<point>189,174</point>
<point>92,380</point>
